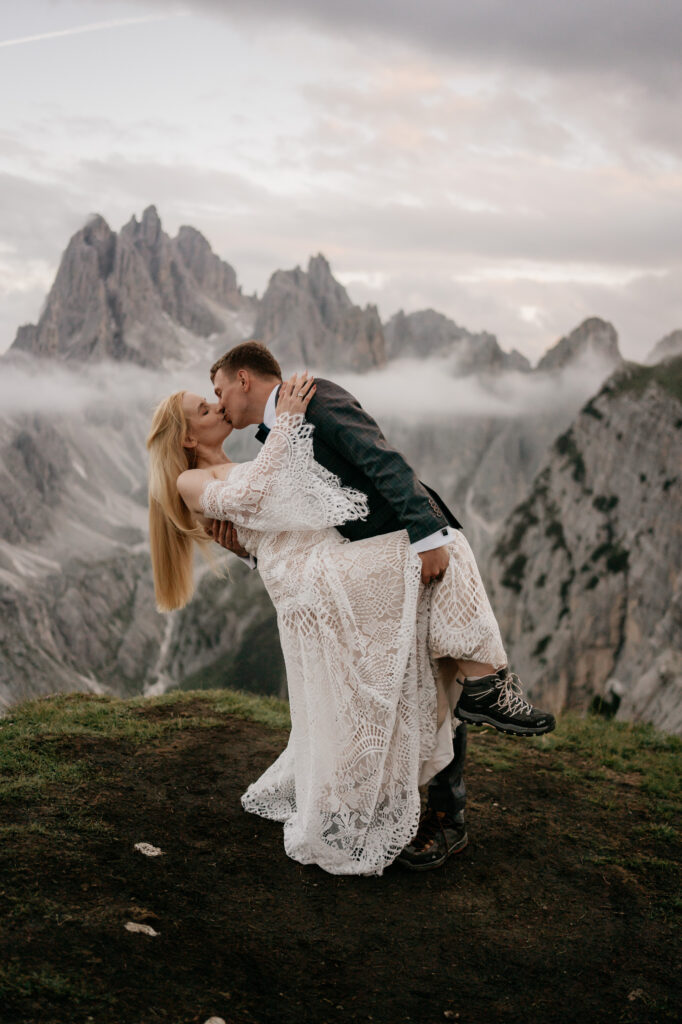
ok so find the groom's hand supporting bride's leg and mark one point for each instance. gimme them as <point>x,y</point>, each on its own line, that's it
<point>434,564</point>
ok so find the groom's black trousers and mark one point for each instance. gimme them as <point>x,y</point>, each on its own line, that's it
<point>447,791</point>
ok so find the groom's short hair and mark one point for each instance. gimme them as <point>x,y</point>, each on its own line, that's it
<point>250,355</point>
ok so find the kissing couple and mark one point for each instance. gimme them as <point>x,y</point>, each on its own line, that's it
<point>389,641</point>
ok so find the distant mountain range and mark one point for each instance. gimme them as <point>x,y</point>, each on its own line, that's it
<point>75,588</point>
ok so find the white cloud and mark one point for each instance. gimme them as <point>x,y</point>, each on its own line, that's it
<point>410,389</point>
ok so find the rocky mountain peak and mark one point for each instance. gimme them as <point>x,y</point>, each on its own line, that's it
<point>151,225</point>
<point>427,333</point>
<point>308,319</point>
<point>594,339</point>
<point>127,296</point>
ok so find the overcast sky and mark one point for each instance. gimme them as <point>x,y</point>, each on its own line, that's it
<point>515,165</point>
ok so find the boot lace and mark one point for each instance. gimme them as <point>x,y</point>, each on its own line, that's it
<point>510,696</point>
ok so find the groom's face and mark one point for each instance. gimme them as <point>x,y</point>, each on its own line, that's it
<point>233,394</point>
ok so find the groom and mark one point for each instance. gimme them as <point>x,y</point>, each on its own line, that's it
<point>349,443</point>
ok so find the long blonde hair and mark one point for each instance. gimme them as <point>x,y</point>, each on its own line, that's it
<point>172,529</point>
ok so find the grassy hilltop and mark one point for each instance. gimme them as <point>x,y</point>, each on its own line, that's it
<point>565,905</point>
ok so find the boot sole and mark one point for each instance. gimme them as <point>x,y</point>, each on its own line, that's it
<point>518,730</point>
<point>463,843</point>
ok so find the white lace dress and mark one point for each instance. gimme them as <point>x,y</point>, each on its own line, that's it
<point>358,633</point>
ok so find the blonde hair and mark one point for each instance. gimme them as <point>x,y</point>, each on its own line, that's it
<point>172,528</point>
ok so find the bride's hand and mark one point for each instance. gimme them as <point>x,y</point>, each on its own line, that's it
<point>295,393</point>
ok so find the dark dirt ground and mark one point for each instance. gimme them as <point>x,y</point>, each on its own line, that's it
<point>532,922</point>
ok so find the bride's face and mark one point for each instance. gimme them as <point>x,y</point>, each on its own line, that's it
<point>206,423</point>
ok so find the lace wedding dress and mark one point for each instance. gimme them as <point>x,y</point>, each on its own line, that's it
<point>359,633</point>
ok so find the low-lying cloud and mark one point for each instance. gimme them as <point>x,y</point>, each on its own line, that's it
<point>409,390</point>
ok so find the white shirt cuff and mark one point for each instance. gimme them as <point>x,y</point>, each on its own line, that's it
<point>434,540</point>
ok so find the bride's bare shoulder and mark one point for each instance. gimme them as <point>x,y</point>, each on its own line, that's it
<point>191,482</point>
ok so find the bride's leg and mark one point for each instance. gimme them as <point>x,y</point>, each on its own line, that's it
<point>476,668</point>
<point>464,627</point>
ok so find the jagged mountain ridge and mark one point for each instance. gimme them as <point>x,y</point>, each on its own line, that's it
<point>129,296</point>
<point>427,333</point>
<point>308,320</point>
<point>140,296</point>
<point>586,575</point>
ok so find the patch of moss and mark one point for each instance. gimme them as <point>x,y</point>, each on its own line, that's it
<point>565,445</point>
<point>604,503</point>
<point>590,410</point>
<point>592,583</point>
<point>565,587</point>
<point>513,576</point>
<point>635,378</point>
<point>618,560</point>
<point>522,519</point>
<point>541,580</point>
<point>556,531</point>
<point>541,645</point>
<point>616,557</point>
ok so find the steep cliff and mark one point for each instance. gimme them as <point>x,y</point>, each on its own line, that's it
<point>133,296</point>
<point>307,319</point>
<point>594,340</point>
<point>586,574</point>
<point>427,333</point>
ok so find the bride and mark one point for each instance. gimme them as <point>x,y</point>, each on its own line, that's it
<point>370,720</point>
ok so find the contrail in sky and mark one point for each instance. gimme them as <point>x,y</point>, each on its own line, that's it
<point>95,27</point>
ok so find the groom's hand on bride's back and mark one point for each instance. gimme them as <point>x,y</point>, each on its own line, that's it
<point>225,534</point>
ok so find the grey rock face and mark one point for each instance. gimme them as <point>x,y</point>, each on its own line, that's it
<point>214,277</point>
<point>36,472</point>
<point>308,320</point>
<point>226,636</point>
<point>481,466</point>
<point>427,333</point>
<point>666,348</point>
<point>594,339</point>
<point>128,296</point>
<point>90,626</point>
<point>585,577</point>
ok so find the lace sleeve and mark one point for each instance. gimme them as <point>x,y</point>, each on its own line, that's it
<point>284,488</point>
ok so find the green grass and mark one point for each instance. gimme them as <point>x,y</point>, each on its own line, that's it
<point>635,378</point>
<point>625,748</point>
<point>30,735</point>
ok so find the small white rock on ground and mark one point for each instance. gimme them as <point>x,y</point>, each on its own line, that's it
<point>148,849</point>
<point>146,929</point>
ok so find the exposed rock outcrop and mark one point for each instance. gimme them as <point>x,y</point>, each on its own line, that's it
<point>594,341</point>
<point>132,295</point>
<point>426,333</point>
<point>586,573</point>
<point>308,320</point>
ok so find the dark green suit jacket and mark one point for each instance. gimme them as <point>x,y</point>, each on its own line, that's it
<point>349,443</point>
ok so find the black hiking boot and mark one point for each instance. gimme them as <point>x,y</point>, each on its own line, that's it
<point>497,700</point>
<point>438,837</point>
